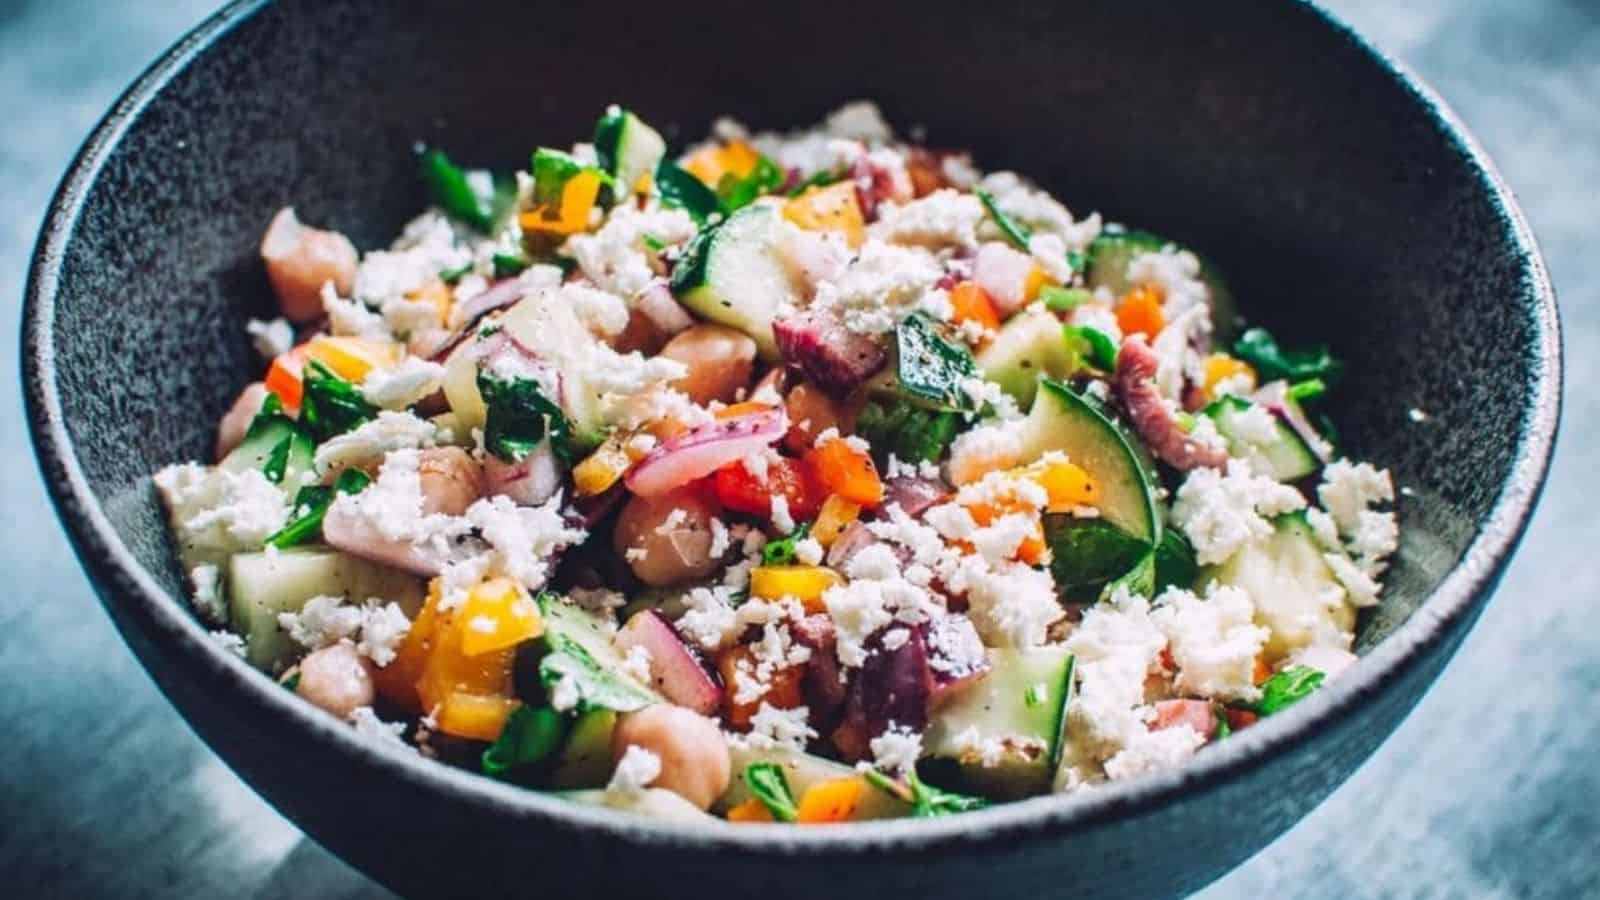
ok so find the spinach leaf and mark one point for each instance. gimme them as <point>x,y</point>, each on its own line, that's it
<point>1094,345</point>
<point>1085,553</point>
<point>1310,389</point>
<point>767,782</point>
<point>331,406</point>
<point>311,504</point>
<point>681,189</point>
<point>475,197</point>
<point>508,264</point>
<point>1015,231</point>
<point>594,686</point>
<point>519,417</point>
<point>1287,688</point>
<point>781,551</point>
<point>530,735</point>
<point>1220,713</point>
<point>911,433</point>
<point>1260,349</point>
<point>931,368</point>
<point>1175,561</point>
<point>735,193</point>
<point>451,276</point>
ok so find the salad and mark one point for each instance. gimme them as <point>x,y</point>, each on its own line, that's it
<point>796,477</point>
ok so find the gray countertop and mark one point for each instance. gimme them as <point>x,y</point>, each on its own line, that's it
<point>1490,788</point>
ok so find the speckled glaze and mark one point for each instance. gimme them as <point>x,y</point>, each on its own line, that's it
<point>1343,198</point>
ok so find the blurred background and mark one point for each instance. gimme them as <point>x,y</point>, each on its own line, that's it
<point>1489,789</point>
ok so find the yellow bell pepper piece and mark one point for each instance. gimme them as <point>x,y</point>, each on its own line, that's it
<point>497,614</point>
<point>352,358</point>
<point>1219,366</point>
<point>835,516</point>
<point>751,810</point>
<point>478,716</point>
<point>804,583</point>
<point>577,199</point>
<point>710,163</point>
<point>831,208</point>
<point>1067,484</point>
<point>600,469</point>
<point>1030,286</point>
<point>831,801</point>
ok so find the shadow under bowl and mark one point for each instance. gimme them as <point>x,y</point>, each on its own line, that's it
<point>1343,200</point>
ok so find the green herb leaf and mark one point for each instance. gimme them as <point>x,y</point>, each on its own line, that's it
<point>930,368</point>
<point>817,179</point>
<point>1015,231</point>
<point>1140,580</point>
<point>653,242</point>
<point>911,433</point>
<point>1061,299</point>
<point>475,197</point>
<point>928,801</point>
<point>1035,694</point>
<point>679,188</point>
<point>508,264</point>
<point>311,505</point>
<point>1220,714</point>
<point>735,193</point>
<point>1175,561</point>
<point>594,686</point>
<point>768,784</point>
<point>1095,346</point>
<point>1077,260</point>
<point>781,552</point>
<point>451,276</point>
<point>1287,688</point>
<point>1260,349</point>
<point>519,418</point>
<point>1087,553</point>
<point>1309,389</point>
<point>331,406</point>
<point>531,734</point>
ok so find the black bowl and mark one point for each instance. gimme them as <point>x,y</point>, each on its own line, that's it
<point>1345,201</point>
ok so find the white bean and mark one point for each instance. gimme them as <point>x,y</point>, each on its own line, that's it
<point>336,678</point>
<point>300,259</point>
<point>694,755</point>
<point>236,421</point>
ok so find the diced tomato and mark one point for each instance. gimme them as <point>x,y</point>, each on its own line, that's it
<point>284,375</point>
<point>847,472</point>
<point>1140,312</point>
<point>1240,718</point>
<point>968,303</point>
<point>1196,714</point>
<point>738,490</point>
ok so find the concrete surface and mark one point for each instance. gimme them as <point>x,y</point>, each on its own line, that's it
<point>1490,789</point>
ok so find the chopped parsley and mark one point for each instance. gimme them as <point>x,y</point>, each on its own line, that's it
<point>508,264</point>
<point>926,800</point>
<point>331,406</point>
<point>451,276</point>
<point>768,784</point>
<point>530,735</point>
<point>781,552</point>
<point>1015,231</point>
<point>932,369</point>
<point>311,504</point>
<point>1287,688</point>
<point>818,179</point>
<point>1260,349</point>
<point>653,242</point>
<point>520,416</point>
<point>735,192</point>
<point>475,197</point>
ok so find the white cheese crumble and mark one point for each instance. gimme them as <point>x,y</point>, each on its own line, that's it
<point>772,728</point>
<point>369,726</point>
<point>896,749</point>
<point>781,519</point>
<point>944,218</point>
<point>208,599</point>
<point>229,641</point>
<point>216,513</point>
<point>635,771</point>
<point>616,257</point>
<point>271,339</point>
<point>1220,513</point>
<point>403,385</point>
<point>374,440</point>
<point>1255,425</point>
<point>880,286</point>
<point>1177,273</point>
<point>1115,648</point>
<point>1214,641</point>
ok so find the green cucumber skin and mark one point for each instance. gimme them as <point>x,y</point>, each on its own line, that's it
<point>1286,459</point>
<point>1087,553</point>
<point>997,707</point>
<point>584,761</point>
<point>1029,344</point>
<point>704,283</point>
<point>1062,420</point>
<point>253,451</point>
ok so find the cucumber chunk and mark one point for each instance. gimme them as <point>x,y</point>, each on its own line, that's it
<point>733,275</point>
<point>1062,420</point>
<point>274,444</point>
<point>1016,712</point>
<point>1107,266</point>
<point>654,803</point>
<point>1030,343</point>
<point>802,770</point>
<point>1285,457</point>
<point>1087,553</point>
<point>627,148</point>
<point>577,647</point>
<point>584,761</point>
<point>262,585</point>
<point>1296,594</point>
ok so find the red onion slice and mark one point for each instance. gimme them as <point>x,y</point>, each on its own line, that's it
<point>704,450</point>
<point>675,671</point>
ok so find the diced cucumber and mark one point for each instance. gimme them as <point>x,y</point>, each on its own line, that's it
<point>549,327</point>
<point>1110,253</point>
<point>627,148</point>
<point>802,770</point>
<point>654,803</point>
<point>1285,457</point>
<point>577,646</point>
<point>1296,594</point>
<point>262,585</point>
<point>274,440</point>
<point>1029,344</point>
<point>1087,553</point>
<point>1175,563</point>
<point>732,274</point>
<point>1018,710</point>
<point>1062,420</point>
<point>584,761</point>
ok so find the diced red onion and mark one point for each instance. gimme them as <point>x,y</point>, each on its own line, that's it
<point>675,670</point>
<point>705,449</point>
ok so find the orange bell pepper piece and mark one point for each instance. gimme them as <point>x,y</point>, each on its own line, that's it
<point>577,199</point>
<point>284,376</point>
<point>835,516</point>
<point>835,800</point>
<point>751,810</point>
<point>397,682</point>
<point>1140,311</point>
<point>968,303</point>
<point>710,163</point>
<point>498,614</point>
<point>831,208</point>
<point>352,358</point>
<point>783,687</point>
<point>1067,484</point>
<point>1219,366</point>
<point>846,472</point>
<point>804,583</point>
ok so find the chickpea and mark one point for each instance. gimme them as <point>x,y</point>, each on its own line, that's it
<point>234,424</point>
<point>300,260</point>
<point>678,554</point>
<point>641,334</point>
<point>451,480</point>
<point>811,412</point>
<point>336,678</point>
<point>720,361</point>
<point>693,753</point>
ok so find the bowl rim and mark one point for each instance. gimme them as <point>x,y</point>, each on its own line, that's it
<point>120,579</point>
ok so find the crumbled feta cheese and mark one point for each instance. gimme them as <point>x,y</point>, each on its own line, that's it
<point>881,285</point>
<point>324,620</point>
<point>351,318</point>
<point>944,218</point>
<point>1255,425</point>
<point>1361,588</point>
<point>216,513</point>
<point>1219,513</point>
<point>1011,605</point>
<point>781,519</point>
<point>1115,647</point>
<point>859,120</point>
<point>772,728</point>
<point>1417,415</point>
<point>403,385</point>
<point>1213,641</point>
<point>895,638</point>
<point>1152,751</point>
<point>374,440</point>
<point>1348,488</point>
<point>708,619</point>
<point>897,749</point>
<point>1038,211</point>
<point>427,246</point>
<point>635,771</point>
<point>229,641</point>
<point>604,314</point>
<point>208,599</point>
<point>271,339</point>
<point>524,538</point>
<point>383,627</point>
<point>1098,316</point>
<point>808,551</point>
<point>1177,273</point>
<point>719,537</point>
<point>637,663</point>
<point>957,168</point>
<point>369,726</point>
<point>1050,252</point>
<point>616,257</point>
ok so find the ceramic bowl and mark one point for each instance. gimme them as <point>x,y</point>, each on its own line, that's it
<point>1343,199</point>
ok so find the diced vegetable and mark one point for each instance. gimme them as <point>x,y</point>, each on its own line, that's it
<point>736,192</point>
<point>711,164</point>
<point>581,662</point>
<point>498,614</point>
<point>1282,455</point>
<point>1021,731</point>
<point>1175,563</point>
<point>274,444</point>
<point>1290,583</point>
<point>802,771</point>
<point>833,518</point>
<point>351,358</point>
<point>846,472</point>
<point>476,198</point>
<point>708,448</point>
<point>1140,312</point>
<point>1087,553</point>
<point>331,405</point>
<point>1066,483</point>
<point>284,376</point>
<point>681,189</point>
<point>311,504</point>
<point>804,583</point>
<point>930,369</point>
<point>732,274</point>
<point>1287,688</point>
<point>627,148</point>
<point>675,670</point>
<point>741,491</point>
<point>968,303</point>
<point>1030,344</point>
<point>1009,277</point>
<point>1260,349</point>
<point>784,686</point>
<point>584,761</point>
<point>908,431</point>
<point>601,469</point>
<point>520,417</point>
<point>831,801</point>
<point>781,552</point>
<point>771,790</point>
<point>829,354</point>
<point>832,208</point>
<point>531,735</point>
<point>1220,367</point>
<point>564,192</point>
